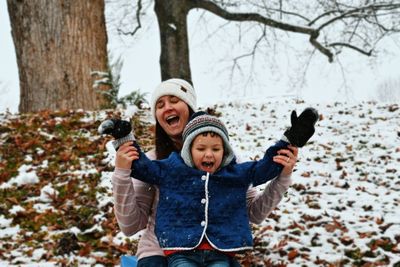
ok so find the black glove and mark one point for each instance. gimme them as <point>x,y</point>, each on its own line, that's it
<point>115,127</point>
<point>302,127</point>
<point>121,130</point>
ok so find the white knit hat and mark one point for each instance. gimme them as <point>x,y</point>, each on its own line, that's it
<point>176,87</point>
<point>201,122</point>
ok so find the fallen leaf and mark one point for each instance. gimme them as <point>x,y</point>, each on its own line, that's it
<point>292,254</point>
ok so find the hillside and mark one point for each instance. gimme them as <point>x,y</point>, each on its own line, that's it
<point>342,209</point>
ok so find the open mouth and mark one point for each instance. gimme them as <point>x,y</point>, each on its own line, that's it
<point>207,164</point>
<point>172,120</point>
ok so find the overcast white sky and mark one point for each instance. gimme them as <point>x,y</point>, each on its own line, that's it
<point>209,72</point>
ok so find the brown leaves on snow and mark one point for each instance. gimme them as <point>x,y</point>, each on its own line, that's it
<point>65,151</point>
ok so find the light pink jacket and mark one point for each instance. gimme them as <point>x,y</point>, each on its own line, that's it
<point>135,205</point>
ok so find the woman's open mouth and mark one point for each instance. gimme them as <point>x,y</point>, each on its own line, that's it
<point>172,120</point>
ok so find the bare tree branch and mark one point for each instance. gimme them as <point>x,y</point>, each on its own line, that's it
<point>347,90</point>
<point>328,13</point>
<point>139,25</point>
<point>305,70</point>
<point>252,53</point>
<point>343,12</point>
<point>281,11</point>
<point>255,17</point>
<point>354,30</point>
<point>321,48</point>
<point>380,26</point>
<point>367,53</point>
<point>337,23</point>
<point>360,12</point>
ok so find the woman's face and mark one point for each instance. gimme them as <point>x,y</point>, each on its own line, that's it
<point>172,114</point>
<point>207,152</point>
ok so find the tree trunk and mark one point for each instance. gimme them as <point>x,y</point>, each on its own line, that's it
<point>58,45</point>
<point>174,58</point>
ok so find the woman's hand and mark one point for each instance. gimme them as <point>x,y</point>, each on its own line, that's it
<point>288,158</point>
<point>125,155</point>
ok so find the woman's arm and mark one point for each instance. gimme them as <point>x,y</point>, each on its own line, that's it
<point>132,198</point>
<point>261,204</point>
<point>132,201</point>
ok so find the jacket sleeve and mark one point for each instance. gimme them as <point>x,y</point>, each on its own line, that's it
<point>133,200</point>
<point>266,169</point>
<point>261,204</point>
<point>147,170</point>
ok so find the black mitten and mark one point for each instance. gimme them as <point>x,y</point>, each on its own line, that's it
<point>116,128</point>
<point>119,129</point>
<point>302,127</point>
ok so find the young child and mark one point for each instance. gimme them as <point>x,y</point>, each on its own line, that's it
<point>202,202</point>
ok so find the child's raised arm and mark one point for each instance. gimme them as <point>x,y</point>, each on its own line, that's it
<point>278,156</point>
<point>266,168</point>
<point>142,167</point>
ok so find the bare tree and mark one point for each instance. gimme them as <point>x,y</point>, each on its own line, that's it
<point>389,90</point>
<point>331,26</point>
<point>59,46</point>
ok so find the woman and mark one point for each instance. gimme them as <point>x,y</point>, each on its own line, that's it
<point>135,202</point>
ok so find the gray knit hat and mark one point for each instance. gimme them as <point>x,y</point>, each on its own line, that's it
<point>201,122</point>
<point>176,87</point>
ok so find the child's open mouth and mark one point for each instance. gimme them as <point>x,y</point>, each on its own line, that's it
<point>207,164</point>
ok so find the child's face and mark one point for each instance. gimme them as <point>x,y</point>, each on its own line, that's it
<point>207,152</point>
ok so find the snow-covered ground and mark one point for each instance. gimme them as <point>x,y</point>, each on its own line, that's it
<point>345,191</point>
<point>342,209</point>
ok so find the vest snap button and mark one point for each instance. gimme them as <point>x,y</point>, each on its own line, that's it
<point>203,201</point>
<point>203,177</point>
<point>203,223</point>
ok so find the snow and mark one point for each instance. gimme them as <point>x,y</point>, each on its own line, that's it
<point>172,26</point>
<point>47,192</point>
<point>15,209</point>
<point>105,183</point>
<point>38,253</point>
<point>41,207</point>
<point>9,231</point>
<point>4,222</point>
<point>26,176</point>
<point>130,111</point>
<point>361,136</point>
<point>211,59</point>
<point>345,186</point>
